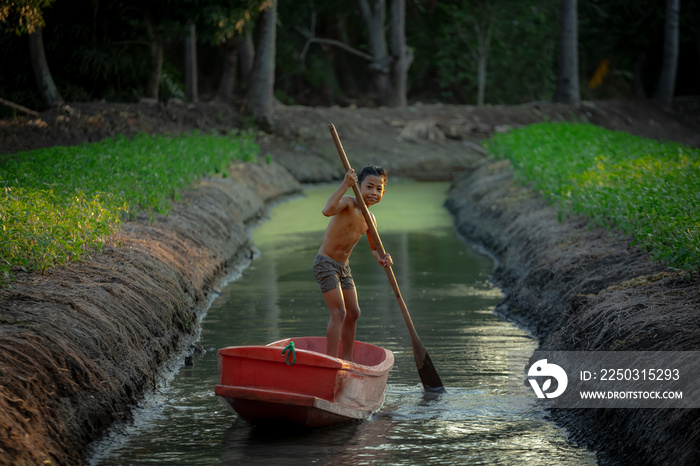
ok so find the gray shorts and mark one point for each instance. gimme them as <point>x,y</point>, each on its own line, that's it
<point>329,274</point>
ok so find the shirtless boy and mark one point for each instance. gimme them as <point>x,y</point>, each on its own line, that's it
<point>331,266</point>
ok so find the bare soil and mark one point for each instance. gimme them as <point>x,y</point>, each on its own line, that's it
<point>419,141</point>
<point>83,343</point>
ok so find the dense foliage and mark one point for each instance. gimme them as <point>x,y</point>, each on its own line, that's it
<point>22,16</point>
<point>100,50</point>
<point>516,71</point>
<point>57,204</point>
<point>644,188</point>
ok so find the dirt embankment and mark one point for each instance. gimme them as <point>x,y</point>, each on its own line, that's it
<point>583,289</point>
<point>81,345</point>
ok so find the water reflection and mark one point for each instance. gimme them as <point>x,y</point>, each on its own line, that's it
<point>445,286</point>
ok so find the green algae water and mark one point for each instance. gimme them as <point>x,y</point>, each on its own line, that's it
<point>445,285</point>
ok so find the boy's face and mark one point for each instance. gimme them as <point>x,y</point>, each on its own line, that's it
<point>372,189</point>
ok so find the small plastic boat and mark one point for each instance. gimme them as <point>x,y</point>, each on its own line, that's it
<point>298,383</point>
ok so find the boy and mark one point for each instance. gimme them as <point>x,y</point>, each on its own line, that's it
<point>331,267</point>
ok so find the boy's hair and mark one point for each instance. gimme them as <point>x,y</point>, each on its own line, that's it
<point>371,170</point>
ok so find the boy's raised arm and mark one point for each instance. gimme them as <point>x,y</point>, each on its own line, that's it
<point>333,205</point>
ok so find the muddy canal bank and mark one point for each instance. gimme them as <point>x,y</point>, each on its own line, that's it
<point>82,344</point>
<point>583,289</point>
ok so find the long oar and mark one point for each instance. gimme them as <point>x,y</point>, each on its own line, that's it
<point>428,375</point>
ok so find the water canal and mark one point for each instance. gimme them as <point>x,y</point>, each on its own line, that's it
<point>445,285</point>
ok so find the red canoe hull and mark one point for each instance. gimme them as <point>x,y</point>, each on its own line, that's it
<point>317,391</point>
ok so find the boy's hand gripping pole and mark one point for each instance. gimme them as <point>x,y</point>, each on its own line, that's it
<point>428,375</point>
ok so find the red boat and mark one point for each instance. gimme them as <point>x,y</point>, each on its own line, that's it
<point>312,389</point>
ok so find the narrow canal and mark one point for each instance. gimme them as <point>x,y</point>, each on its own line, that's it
<point>479,419</point>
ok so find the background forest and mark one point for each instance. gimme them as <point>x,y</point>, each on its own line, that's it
<point>326,51</point>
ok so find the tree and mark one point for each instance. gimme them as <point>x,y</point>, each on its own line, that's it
<point>373,12</point>
<point>481,19</point>
<point>482,50</point>
<point>228,24</point>
<point>246,51</point>
<point>155,46</point>
<point>401,55</point>
<point>389,72</point>
<point>483,36</point>
<point>25,17</point>
<point>567,91</point>
<point>191,74</point>
<point>667,82</point>
<point>261,93</point>
<point>388,68</point>
<point>42,73</point>
<point>227,84</point>
<point>163,26</point>
<point>333,65</point>
<point>237,50</point>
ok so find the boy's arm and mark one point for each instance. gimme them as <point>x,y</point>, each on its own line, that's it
<point>385,261</point>
<point>334,204</point>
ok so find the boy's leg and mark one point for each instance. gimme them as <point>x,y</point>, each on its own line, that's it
<point>352,313</point>
<point>336,306</point>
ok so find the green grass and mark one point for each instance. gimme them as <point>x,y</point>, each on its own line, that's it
<point>59,203</point>
<point>648,189</point>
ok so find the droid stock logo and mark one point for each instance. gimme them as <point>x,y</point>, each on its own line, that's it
<point>544,372</point>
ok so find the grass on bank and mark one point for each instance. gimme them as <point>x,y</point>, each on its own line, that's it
<point>645,188</point>
<point>58,203</point>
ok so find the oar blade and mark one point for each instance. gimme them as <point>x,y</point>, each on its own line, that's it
<point>427,372</point>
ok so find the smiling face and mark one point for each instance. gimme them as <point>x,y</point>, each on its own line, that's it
<point>372,189</point>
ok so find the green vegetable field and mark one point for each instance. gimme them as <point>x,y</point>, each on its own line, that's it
<point>58,203</point>
<point>644,188</point>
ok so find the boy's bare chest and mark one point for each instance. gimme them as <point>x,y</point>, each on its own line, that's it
<point>352,220</point>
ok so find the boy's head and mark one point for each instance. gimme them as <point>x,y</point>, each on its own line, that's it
<point>371,170</point>
<point>372,180</point>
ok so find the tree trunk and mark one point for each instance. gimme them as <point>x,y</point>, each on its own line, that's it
<point>261,96</point>
<point>481,80</point>
<point>567,91</point>
<point>402,55</point>
<point>667,82</point>
<point>42,73</point>
<point>227,85</point>
<point>156,68</point>
<point>483,37</point>
<point>191,80</point>
<point>247,52</point>
<point>373,14</point>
